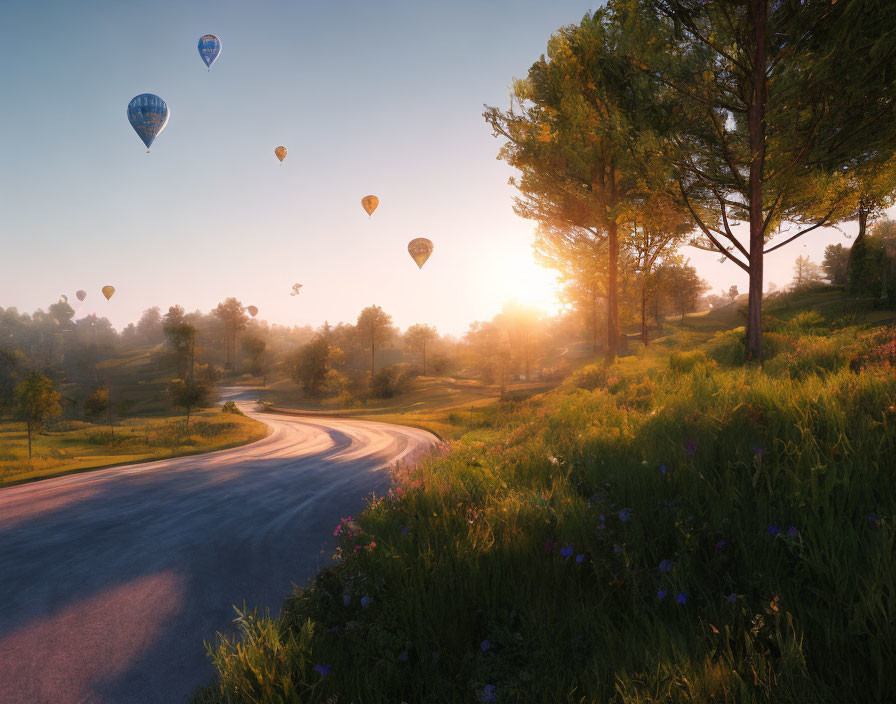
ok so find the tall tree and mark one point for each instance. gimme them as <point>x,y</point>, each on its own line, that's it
<point>574,138</point>
<point>762,106</point>
<point>232,316</point>
<point>374,326</point>
<point>417,337</point>
<point>805,271</point>
<point>38,401</point>
<point>182,338</point>
<point>835,264</point>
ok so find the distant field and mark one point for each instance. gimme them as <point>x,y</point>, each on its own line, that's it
<point>77,446</point>
<point>438,404</point>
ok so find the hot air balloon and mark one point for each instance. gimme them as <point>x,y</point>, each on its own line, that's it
<point>369,203</point>
<point>253,311</point>
<point>296,288</point>
<point>420,249</point>
<point>209,48</point>
<point>81,295</point>
<point>281,153</point>
<point>63,298</point>
<point>108,291</point>
<point>148,115</point>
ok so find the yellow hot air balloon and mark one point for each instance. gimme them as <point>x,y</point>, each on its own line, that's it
<point>253,311</point>
<point>420,249</point>
<point>281,153</point>
<point>108,291</point>
<point>369,203</point>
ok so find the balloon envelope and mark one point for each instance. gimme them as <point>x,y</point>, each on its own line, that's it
<point>148,115</point>
<point>420,249</point>
<point>253,311</point>
<point>209,48</point>
<point>281,153</point>
<point>81,295</point>
<point>63,298</point>
<point>296,289</point>
<point>369,203</point>
<point>108,291</point>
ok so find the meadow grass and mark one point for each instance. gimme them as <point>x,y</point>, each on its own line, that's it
<point>674,528</point>
<point>76,446</point>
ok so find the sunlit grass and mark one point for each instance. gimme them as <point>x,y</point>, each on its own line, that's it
<point>74,446</point>
<point>674,528</point>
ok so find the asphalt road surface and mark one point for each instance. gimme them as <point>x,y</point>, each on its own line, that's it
<point>111,580</point>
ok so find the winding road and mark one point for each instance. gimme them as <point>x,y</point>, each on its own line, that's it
<point>111,580</point>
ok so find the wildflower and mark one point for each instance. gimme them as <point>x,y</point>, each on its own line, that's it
<point>663,469</point>
<point>661,594</point>
<point>602,519</point>
<point>404,530</point>
<point>324,670</point>
<point>617,549</point>
<point>773,529</point>
<point>690,447</point>
<point>682,598</point>
<point>554,461</point>
<point>579,558</point>
<point>366,601</point>
<point>644,462</point>
<point>485,645</point>
<point>665,566</point>
<point>403,657</point>
<point>875,521</point>
<point>489,693</point>
<point>793,531</point>
<point>758,451</point>
<point>357,547</point>
<point>549,545</point>
<point>625,514</point>
<point>567,551</point>
<point>346,599</point>
<point>720,544</point>
<point>732,597</point>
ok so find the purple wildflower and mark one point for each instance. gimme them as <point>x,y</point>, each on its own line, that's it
<point>617,549</point>
<point>366,601</point>
<point>773,529</point>
<point>731,598</point>
<point>720,544</point>
<point>580,558</point>
<point>404,530</point>
<point>663,469</point>
<point>549,545</point>
<point>489,693</point>
<point>625,514</point>
<point>690,447</point>
<point>485,645</point>
<point>682,598</point>
<point>567,551</point>
<point>758,451</point>
<point>661,594</point>
<point>324,670</point>
<point>346,599</point>
<point>403,657</point>
<point>665,566</point>
<point>875,521</point>
<point>793,531</point>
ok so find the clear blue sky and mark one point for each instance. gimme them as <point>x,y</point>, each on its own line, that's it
<point>368,97</point>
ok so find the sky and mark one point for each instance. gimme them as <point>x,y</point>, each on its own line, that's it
<point>379,98</point>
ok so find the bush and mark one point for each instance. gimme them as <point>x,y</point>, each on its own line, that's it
<point>231,407</point>
<point>683,362</point>
<point>594,376</point>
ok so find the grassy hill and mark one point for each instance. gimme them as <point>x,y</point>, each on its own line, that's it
<point>674,528</point>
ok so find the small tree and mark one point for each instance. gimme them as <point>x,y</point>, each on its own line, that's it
<point>308,365</point>
<point>191,395</point>
<point>805,271</point>
<point>374,326</point>
<point>254,347</point>
<point>417,337</point>
<point>836,264</point>
<point>98,402</point>
<point>38,401</point>
<point>732,294</point>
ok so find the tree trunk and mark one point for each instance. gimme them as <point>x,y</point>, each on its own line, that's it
<point>863,223</point>
<point>612,275</point>
<point>372,353</point>
<point>756,126</point>
<point>594,321</point>
<point>644,315</point>
<point>424,356</point>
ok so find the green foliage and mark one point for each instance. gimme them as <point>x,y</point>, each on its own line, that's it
<point>390,380</point>
<point>97,402</point>
<point>189,394</point>
<point>594,376</point>
<point>684,362</point>
<point>310,364</point>
<point>231,407</point>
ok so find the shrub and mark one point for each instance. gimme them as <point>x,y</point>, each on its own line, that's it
<point>594,376</point>
<point>231,407</point>
<point>683,362</point>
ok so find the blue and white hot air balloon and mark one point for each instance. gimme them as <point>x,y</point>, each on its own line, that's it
<point>148,115</point>
<point>209,48</point>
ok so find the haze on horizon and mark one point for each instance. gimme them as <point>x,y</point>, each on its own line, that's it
<point>382,99</point>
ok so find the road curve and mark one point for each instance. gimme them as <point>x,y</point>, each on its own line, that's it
<point>111,580</point>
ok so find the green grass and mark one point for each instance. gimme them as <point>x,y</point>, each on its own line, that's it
<point>76,446</point>
<point>470,588</point>
<point>441,405</point>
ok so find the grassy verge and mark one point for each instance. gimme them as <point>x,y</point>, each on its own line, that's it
<point>672,529</point>
<point>76,446</point>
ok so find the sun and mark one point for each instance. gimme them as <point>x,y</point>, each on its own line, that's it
<point>520,277</point>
